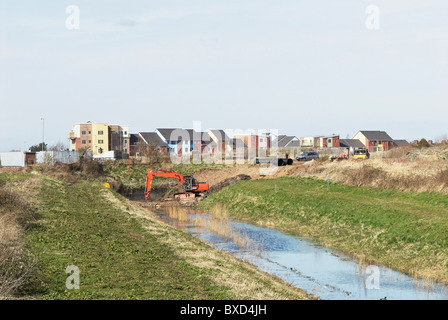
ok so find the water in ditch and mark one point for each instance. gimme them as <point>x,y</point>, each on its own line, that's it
<point>302,263</point>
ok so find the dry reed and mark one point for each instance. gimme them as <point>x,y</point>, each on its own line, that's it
<point>14,266</point>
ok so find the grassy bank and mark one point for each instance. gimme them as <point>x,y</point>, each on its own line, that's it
<point>123,252</point>
<point>406,231</point>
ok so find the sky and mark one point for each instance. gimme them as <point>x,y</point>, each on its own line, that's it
<point>299,67</point>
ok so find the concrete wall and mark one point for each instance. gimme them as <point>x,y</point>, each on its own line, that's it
<point>108,155</point>
<point>12,159</point>
<point>53,157</point>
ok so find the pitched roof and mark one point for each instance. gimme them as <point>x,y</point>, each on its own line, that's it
<point>152,139</point>
<point>220,134</point>
<point>194,135</point>
<point>351,143</point>
<point>377,135</point>
<point>166,132</point>
<point>278,139</point>
<point>293,144</point>
<point>284,141</point>
<point>205,137</point>
<point>133,139</point>
<point>400,143</point>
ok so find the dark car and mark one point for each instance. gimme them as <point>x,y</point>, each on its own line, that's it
<point>309,155</point>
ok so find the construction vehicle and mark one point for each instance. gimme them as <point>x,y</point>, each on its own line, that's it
<point>361,154</point>
<point>190,186</point>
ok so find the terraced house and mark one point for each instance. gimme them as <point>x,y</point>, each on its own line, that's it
<point>178,140</point>
<point>375,140</point>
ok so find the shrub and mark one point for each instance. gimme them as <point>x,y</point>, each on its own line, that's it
<point>423,143</point>
<point>86,167</point>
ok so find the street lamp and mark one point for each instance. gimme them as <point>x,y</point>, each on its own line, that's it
<point>43,133</point>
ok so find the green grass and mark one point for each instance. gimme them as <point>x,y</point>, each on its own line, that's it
<point>116,256</point>
<point>405,230</point>
<point>15,176</point>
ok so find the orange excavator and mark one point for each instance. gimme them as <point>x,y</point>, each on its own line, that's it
<point>189,184</point>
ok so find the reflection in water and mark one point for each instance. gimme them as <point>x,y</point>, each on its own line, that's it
<point>318,270</point>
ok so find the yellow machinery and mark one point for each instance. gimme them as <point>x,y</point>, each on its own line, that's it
<point>361,154</point>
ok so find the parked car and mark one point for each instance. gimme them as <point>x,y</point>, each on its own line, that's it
<point>309,155</point>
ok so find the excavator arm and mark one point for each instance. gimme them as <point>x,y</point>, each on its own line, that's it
<point>162,173</point>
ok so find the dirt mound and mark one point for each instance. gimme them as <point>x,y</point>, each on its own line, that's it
<point>226,182</point>
<point>88,167</point>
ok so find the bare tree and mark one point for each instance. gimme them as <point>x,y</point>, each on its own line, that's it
<point>58,147</point>
<point>149,151</point>
<point>442,137</point>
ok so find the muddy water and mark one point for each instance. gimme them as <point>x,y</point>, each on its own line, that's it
<point>318,270</point>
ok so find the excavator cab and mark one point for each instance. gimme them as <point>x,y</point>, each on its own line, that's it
<point>189,183</point>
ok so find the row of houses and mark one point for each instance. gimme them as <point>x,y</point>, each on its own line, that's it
<point>207,142</point>
<point>185,141</point>
<point>102,138</point>
<point>109,142</point>
<point>374,141</point>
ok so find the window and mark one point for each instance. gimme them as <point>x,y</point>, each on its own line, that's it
<point>90,132</point>
<point>100,141</point>
<point>83,132</point>
<point>90,141</point>
<point>125,141</point>
<point>100,132</point>
<point>83,142</point>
